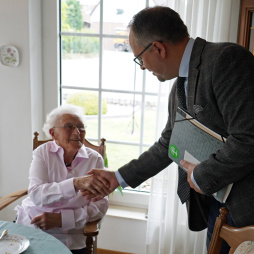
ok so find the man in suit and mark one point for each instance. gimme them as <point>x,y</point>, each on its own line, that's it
<point>219,93</point>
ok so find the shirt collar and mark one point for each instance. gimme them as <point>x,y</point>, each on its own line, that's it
<point>184,66</point>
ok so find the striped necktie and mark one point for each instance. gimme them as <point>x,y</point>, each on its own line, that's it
<point>183,189</point>
<point>181,92</point>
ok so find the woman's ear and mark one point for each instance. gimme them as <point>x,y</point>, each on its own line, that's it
<point>52,133</point>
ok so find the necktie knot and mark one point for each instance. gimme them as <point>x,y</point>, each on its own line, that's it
<point>181,92</point>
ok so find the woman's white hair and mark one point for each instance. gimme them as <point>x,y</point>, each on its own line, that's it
<point>55,114</point>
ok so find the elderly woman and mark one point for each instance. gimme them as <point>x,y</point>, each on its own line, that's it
<point>57,173</point>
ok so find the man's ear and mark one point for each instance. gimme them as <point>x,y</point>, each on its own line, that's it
<point>52,133</point>
<point>161,49</point>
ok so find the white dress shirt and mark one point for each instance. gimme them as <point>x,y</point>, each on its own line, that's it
<point>51,189</point>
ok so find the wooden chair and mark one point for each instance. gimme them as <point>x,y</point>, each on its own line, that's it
<point>101,149</point>
<point>232,235</point>
<point>7,200</point>
<point>91,229</point>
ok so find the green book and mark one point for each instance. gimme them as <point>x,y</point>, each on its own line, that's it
<point>194,142</point>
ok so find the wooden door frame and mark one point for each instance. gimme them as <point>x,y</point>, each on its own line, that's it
<point>246,10</point>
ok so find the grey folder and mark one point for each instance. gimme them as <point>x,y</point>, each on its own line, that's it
<point>192,141</point>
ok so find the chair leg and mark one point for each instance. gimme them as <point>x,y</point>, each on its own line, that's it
<point>89,245</point>
<point>91,230</point>
<point>95,246</point>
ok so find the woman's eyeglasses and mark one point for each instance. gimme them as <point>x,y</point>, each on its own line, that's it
<point>70,127</point>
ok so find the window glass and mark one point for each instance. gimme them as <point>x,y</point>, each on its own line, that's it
<point>117,62</point>
<point>118,155</point>
<point>80,61</point>
<point>118,13</point>
<point>80,16</point>
<point>122,121</point>
<point>150,119</point>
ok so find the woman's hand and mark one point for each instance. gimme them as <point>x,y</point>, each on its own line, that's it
<point>47,220</point>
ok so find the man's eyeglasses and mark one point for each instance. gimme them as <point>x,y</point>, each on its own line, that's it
<point>70,127</point>
<point>137,59</point>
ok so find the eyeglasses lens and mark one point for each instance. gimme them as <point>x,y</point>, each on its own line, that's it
<point>70,127</point>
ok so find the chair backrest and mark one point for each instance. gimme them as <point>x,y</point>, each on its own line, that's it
<point>101,149</point>
<point>232,235</point>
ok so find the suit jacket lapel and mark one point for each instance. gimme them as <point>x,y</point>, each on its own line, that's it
<point>194,73</point>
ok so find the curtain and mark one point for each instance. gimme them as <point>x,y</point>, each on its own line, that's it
<point>167,227</point>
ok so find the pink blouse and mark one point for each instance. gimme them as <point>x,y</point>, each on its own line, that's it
<point>51,189</point>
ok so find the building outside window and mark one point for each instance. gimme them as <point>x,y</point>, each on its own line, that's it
<point>98,72</point>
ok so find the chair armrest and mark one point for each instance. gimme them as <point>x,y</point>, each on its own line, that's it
<point>5,201</point>
<point>92,228</point>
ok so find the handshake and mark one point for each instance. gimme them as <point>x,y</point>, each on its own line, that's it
<point>97,184</point>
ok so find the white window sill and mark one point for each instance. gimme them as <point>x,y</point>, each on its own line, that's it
<point>127,212</point>
<point>132,199</point>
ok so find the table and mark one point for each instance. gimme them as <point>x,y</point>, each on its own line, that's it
<point>40,242</point>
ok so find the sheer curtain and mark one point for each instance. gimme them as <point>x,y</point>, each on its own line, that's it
<point>167,228</point>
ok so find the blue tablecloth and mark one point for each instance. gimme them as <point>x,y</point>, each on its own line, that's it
<point>40,242</point>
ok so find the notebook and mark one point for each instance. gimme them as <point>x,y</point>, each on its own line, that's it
<point>194,142</point>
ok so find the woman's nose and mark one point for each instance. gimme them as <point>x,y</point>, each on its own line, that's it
<point>142,67</point>
<point>75,130</point>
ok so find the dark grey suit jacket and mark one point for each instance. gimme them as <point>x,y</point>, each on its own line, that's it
<point>220,96</point>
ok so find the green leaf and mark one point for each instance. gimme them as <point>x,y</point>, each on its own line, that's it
<point>119,188</point>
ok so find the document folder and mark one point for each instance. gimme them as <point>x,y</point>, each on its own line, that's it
<point>194,142</point>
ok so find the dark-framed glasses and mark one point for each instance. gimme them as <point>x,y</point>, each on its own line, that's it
<point>137,59</point>
<point>70,127</point>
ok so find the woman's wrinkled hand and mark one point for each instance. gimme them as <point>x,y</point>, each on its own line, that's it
<point>47,220</point>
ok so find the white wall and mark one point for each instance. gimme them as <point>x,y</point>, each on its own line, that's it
<point>15,103</point>
<point>123,235</point>
<point>22,88</point>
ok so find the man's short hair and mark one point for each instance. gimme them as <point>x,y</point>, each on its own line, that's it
<point>158,24</point>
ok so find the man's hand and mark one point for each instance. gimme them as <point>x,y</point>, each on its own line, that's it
<point>190,167</point>
<point>101,175</point>
<point>47,220</point>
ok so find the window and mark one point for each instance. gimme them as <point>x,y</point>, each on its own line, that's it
<point>98,73</point>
